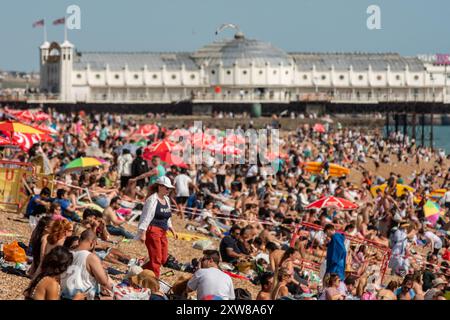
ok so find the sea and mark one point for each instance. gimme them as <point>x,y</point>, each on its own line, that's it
<point>441,136</point>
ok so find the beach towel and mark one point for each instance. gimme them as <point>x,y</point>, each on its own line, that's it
<point>336,255</point>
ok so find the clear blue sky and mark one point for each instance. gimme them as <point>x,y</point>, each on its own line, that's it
<point>409,27</point>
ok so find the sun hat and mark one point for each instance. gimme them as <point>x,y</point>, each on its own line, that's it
<point>438,281</point>
<point>165,181</point>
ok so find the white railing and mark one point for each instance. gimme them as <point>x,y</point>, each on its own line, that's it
<point>267,97</point>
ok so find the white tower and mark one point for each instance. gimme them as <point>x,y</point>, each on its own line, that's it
<point>45,50</point>
<point>65,89</point>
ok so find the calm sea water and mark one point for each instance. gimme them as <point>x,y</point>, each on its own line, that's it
<point>441,136</point>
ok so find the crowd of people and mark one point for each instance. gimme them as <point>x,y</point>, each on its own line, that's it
<point>267,233</point>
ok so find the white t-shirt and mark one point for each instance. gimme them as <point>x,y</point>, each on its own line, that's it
<point>182,185</point>
<point>431,236</point>
<point>212,281</point>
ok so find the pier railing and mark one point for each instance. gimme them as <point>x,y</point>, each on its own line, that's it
<point>249,97</point>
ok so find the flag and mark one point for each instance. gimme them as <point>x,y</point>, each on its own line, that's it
<point>39,23</point>
<point>59,21</point>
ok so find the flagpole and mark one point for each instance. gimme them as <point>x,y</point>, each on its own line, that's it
<point>65,30</point>
<point>45,33</point>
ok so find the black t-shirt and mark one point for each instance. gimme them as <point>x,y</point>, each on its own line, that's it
<point>242,248</point>
<point>428,278</point>
<point>138,166</point>
<point>228,242</point>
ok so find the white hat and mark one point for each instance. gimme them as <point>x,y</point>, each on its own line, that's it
<point>165,182</point>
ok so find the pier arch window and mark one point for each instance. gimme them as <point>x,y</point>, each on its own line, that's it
<point>361,77</point>
<point>379,78</point>
<point>117,76</point>
<point>397,77</point>
<point>341,77</point>
<point>244,72</point>
<point>305,77</point>
<point>192,76</point>
<point>324,77</point>
<point>213,71</point>
<point>136,76</point>
<point>155,76</point>
<point>416,77</point>
<point>174,76</point>
<point>97,76</point>
<point>79,76</point>
<point>228,72</point>
<point>261,72</point>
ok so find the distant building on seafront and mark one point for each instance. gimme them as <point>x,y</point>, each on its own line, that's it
<point>238,70</point>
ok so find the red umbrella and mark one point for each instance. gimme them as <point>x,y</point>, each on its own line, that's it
<point>26,115</point>
<point>224,149</point>
<point>163,146</point>
<point>176,134</point>
<point>42,116</point>
<point>146,130</point>
<point>332,202</point>
<point>12,111</point>
<point>5,141</point>
<point>235,139</point>
<point>319,128</point>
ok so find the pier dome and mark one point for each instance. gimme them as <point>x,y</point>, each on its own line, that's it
<point>243,52</point>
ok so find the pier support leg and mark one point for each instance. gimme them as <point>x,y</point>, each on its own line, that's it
<point>423,130</point>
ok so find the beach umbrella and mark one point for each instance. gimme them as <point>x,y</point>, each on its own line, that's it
<point>84,163</point>
<point>332,202</point>
<point>42,116</point>
<point>432,211</point>
<point>163,146</point>
<point>5,141</point>
<point>319,128</point>
<point>146,130</point>
<point>141,143</point>
<point>177,133</point>
<point>14,126</point>
<point>224,149</point>
<point>26,115</point>
<point>437,194</point>
<point>234,139</point>
<point>401,189</point>
<point>12,111</point>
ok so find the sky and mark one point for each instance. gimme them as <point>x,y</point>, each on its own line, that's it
<point>409,27</point>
